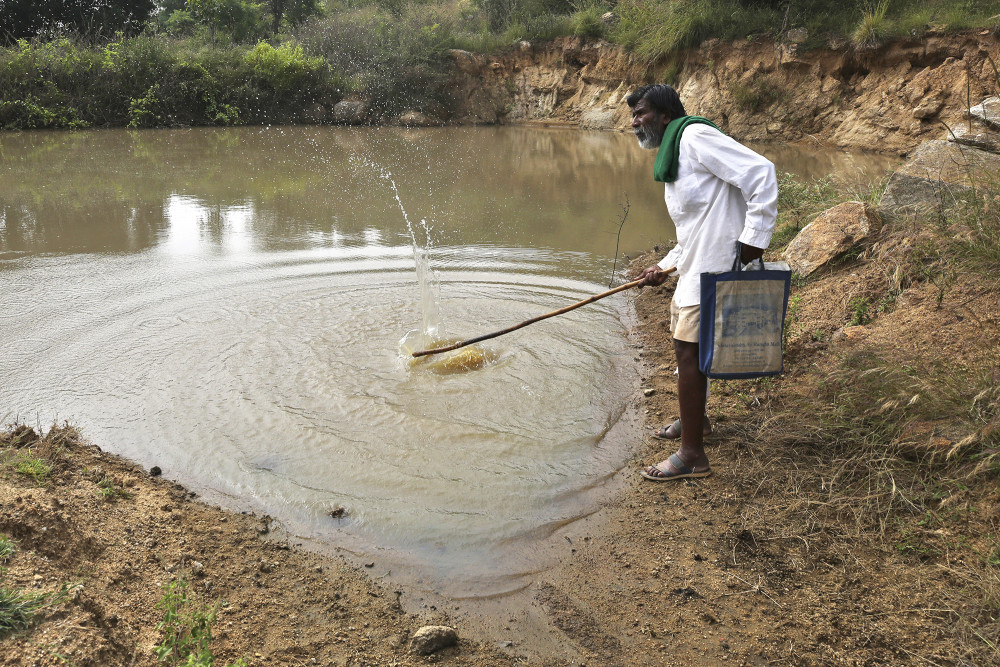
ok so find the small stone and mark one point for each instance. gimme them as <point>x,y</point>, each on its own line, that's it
<point>432,638</point>
<point>371,564</point>
<point>155,471</point>
<point>648,392</point>
<point>197,568</point>
<point>797,35</point>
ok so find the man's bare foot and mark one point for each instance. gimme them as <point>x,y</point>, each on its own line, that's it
<point>673,431</point>
<point>675,468</point>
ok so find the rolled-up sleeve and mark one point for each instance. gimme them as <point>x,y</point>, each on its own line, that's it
<point>672,259</point>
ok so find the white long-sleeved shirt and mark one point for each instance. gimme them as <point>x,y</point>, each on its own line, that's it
<point>724,193</point>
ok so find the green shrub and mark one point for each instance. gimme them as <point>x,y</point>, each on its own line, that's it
<point>186,628</point>
<point>285,68</point>
<point>587,20</point>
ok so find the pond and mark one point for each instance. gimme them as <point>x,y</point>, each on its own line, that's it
<point>228,305</point>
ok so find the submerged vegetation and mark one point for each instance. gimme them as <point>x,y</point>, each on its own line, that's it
<point>225,62</point>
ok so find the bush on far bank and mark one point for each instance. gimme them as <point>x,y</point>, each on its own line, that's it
<point>195,64</point>
<point>155,80</point>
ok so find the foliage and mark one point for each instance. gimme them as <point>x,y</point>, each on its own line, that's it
<point>872,29</point>
<point>186,628</point>
<point>7,548</point>
<point>154,80</point>
<point>25,19</point>
<point>285,68</point>
<point>19,609</point>
<point>587,20</point>
<point>397,62</point>
<point>241,20</point>
<point>22,462</point>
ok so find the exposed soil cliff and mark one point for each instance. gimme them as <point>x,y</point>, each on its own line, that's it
<point>888,100</point>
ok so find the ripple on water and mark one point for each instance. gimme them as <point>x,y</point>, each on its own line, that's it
<point>281,380</point>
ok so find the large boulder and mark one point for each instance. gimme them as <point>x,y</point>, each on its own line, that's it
<point>465,62</point>
<point>597,119</point>
<point>937,174</point>
<point>351,112</point>
<point>432,638</point>
<point>987,113</point>
<point>832,232</point>
<point>975,134</point>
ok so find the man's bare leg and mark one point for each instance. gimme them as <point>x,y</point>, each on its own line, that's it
<point>691,388</point>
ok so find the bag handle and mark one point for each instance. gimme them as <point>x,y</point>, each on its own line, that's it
<point>738,262</point>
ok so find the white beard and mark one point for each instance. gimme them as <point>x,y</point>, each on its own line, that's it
<point>647,138</point>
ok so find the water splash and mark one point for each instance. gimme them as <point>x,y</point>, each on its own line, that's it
<point>427,280</point>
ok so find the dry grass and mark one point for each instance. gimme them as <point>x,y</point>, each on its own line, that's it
<point>886,449</point>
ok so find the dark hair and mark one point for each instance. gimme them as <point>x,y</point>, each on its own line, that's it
<point>661,97</point>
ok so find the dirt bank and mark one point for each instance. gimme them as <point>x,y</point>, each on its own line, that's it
<point>887,100</point>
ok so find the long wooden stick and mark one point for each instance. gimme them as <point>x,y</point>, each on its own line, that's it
<point>591,299</point>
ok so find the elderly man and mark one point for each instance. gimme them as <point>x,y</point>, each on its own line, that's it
<point>719,194</point>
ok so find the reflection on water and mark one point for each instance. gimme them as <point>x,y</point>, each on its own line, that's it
<point>118,190</point>
<point>229,304</point>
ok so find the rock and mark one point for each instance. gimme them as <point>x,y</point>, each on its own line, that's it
<point>465,62</point>
<point>351,112</point>
<point>609,18</point>
<point>977,136</point>
<point>831,233</point>
<point>648,392</point>
<point>414,119</point>
<point>937,174</point>
<point>155,471</point>
<point>432,638</point>
<point>597,119</point>
<point>988,113</point>
<point>928,108</point>
<point>797,35</point>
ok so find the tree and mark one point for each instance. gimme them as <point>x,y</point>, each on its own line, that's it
<point>240,19</point>
<point>26,19</point>
<point>293,11</point>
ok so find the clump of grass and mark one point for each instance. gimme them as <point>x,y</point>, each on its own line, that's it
<point>18,610</point>
<point>107,490</point>
<point>186,628</point>
<point>587,20</point>
<point>873,28</point>
<point>22,462</point>
<point>7,548</point>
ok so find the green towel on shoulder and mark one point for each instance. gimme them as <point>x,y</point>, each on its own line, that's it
<point>665,168</point>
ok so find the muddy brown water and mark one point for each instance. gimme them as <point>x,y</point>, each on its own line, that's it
<point>228,305</point>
